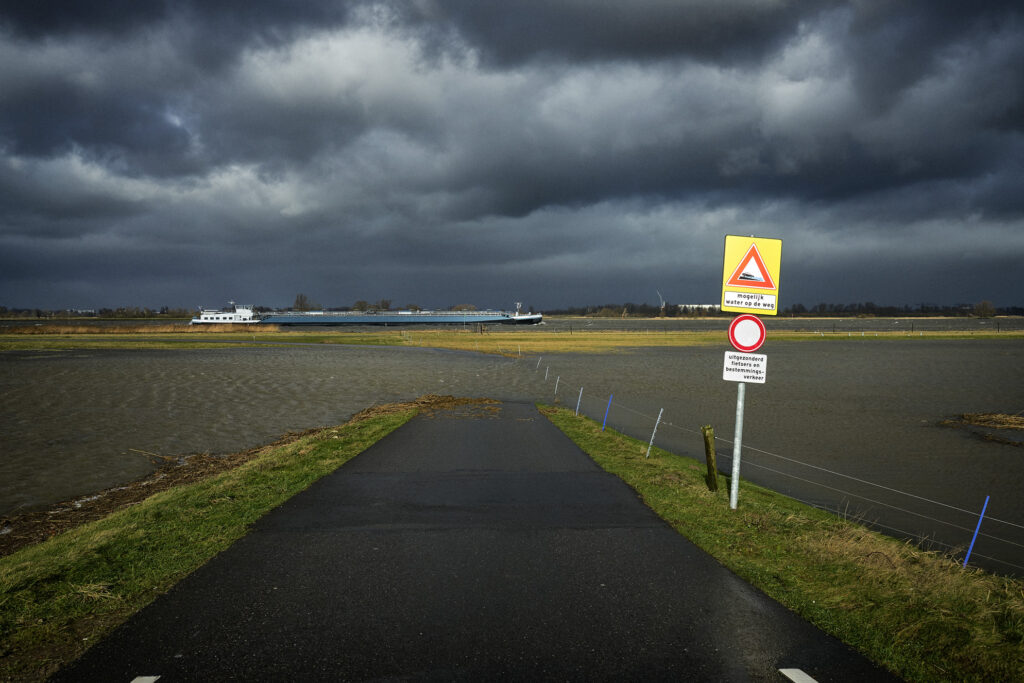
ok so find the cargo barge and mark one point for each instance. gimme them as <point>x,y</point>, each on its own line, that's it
<point>246,315</point>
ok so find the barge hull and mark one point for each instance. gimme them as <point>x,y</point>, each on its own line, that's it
<point>399,319</point>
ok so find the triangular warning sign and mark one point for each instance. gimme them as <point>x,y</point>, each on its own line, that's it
<point>751,272</point>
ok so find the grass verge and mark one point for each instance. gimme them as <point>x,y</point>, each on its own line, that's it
<point>60,596</point>
<point>915,612</point>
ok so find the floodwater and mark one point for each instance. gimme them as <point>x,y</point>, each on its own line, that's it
<point>831,418</point>
<point>77,422</point>
<point>835,415</point>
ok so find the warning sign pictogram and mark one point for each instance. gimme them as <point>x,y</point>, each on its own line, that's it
<point>751,272</point>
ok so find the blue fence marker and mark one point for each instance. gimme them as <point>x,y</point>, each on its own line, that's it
<point>976,530</point>
<point>606,411</point>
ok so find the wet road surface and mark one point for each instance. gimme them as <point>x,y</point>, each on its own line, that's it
<point>474,544</point>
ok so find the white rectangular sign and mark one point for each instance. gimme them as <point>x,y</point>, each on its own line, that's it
<point>745,367</point>
<point>749,302</point>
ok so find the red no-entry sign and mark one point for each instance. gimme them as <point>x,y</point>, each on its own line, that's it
<point>746,333</point>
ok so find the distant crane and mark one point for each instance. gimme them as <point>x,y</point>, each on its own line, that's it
<point>662,300</point>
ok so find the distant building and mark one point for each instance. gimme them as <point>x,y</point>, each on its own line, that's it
<point>689,308</point>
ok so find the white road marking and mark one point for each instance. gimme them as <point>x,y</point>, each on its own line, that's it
<point>145,679</point>
<point>797,676</point>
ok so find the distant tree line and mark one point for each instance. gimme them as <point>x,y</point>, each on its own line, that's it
<point>303,303</point>
<point>632,310</point>
<point>122,312</point>
<point>983,309</point>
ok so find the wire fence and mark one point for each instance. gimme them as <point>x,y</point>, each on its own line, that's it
<point>934,524</point>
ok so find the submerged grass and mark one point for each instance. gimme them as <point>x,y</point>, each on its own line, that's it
<point>916,612</point>
<point>60,596</point>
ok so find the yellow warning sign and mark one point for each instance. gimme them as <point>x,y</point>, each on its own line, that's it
<point>750,276</point>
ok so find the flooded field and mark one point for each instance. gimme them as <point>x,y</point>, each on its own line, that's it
<point>831,417</point>
<point>80,421</point>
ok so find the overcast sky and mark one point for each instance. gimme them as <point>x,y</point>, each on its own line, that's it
<point>554,152</point>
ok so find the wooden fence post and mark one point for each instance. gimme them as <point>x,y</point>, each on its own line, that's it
<point>709,451</point>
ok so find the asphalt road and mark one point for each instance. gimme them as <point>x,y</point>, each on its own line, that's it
<point>470,545</point>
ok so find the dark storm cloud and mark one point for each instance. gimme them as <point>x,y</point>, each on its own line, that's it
<point>103,104</point>
<point>37,20</point>
<point>117,126</point>
<point>894,45</point>
<point>232,20</point>
<point>587,151</point>
<point>511,33</point>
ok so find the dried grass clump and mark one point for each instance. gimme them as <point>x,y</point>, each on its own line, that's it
<point>994,420</point>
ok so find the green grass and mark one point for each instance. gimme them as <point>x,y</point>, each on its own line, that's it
<point>58,597</point>
<point>915,612</point>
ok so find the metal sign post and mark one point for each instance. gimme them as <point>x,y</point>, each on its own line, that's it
<point>746,333</point>
<point>737,446</point>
